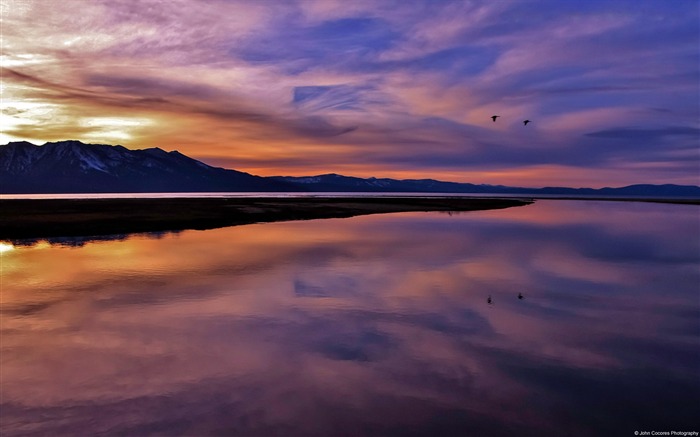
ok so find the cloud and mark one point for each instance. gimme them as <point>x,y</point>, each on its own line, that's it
<point>175,97</point>
<point>345,97</point>
<point>325,97</point>
<point>11,111</point>
<point>647,134</point>
<point>389,86</point>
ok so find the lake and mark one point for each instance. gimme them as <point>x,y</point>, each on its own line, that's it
<point>557,318</point>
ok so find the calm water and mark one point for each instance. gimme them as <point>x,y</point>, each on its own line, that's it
<point>375,325</point>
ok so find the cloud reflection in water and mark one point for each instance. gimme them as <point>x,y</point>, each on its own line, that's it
<point>372,325</point>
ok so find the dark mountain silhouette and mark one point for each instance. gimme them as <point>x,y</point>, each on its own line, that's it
<point>75,167</point>
<point>339,183</point>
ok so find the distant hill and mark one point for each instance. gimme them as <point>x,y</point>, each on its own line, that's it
<point>75,167</point>
<point>339,183</point>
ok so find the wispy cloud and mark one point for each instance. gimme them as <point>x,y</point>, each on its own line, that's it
<point>382,88</point>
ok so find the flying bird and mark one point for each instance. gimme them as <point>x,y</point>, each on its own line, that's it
<point>520,295</point>
<point>489,300</point>
<point>494,117</point>
<point>526,122</point>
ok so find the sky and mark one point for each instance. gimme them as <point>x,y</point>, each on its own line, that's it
<point>401,89</point>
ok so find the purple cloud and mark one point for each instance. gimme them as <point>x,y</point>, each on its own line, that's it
<point>376,85</point>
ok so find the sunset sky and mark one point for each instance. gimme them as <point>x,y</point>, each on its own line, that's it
<point>400,89</point>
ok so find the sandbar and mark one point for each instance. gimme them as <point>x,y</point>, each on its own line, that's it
<point>44,218</point>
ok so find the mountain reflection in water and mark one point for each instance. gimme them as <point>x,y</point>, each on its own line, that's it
<point>375,325</point>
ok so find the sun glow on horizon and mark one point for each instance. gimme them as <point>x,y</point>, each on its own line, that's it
<point>113,128</point>
<point>6,247</point>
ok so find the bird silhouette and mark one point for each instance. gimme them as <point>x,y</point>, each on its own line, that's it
<point>494,117</point>
<point>526,122</point>
<point>520,295</point>
<point>488,300</point>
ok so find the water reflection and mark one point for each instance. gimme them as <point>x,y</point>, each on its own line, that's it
<point>80,241</point>
<point>375,325</point>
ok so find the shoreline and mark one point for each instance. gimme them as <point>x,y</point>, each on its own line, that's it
<point>47,218</point>
<point>670,200</point>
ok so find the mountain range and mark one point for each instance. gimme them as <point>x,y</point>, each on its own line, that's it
<point>76,167</point>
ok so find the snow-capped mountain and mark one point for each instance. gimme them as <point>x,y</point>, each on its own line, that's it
<point>75,167</point>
